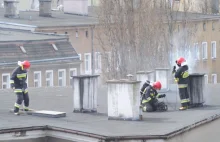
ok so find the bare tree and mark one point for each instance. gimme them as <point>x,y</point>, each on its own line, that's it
<point>139,35</point>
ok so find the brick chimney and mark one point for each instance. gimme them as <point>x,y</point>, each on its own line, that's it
<point>11,8</point>
<point>45,8</point>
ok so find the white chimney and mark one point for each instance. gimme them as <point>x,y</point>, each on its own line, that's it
<point>45,8</point>
<point>11,8</point>
<point>79,7</point>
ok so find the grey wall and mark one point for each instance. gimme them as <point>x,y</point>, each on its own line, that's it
<point>205,133</point>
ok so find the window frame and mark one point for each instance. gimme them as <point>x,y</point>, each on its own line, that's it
<point>89,63</point>
<point>213,57</point>
<point>8,81</point>
<point>98,62</point>
<point>47,79</point>
<point>215,80</point>
<point>64,78</point>
<point>206,52</point>
<point>40,80</point>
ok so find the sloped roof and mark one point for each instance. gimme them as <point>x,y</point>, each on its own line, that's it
<point>38,48</point>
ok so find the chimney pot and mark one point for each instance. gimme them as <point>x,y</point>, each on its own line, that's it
<point>11,8</point>
<point>45,8</point>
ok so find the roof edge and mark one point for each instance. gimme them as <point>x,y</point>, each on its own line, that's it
<point>43,60</point>
<point>111,138</point>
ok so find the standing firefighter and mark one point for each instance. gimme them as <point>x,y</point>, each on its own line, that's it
<point>19,85</point>
<point>149,95</point>
<point>182,79</point>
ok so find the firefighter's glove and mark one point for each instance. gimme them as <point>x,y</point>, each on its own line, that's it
<point>12,86</point>
<point>162,96</point>
<point>141,93</point>
<point>174,69</point>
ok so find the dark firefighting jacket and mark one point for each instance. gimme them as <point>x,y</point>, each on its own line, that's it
<point>182,76</point>
<point>18,80</point>
<point>147,83</point>
<point>149,95</point>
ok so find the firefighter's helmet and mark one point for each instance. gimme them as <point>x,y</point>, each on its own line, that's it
<point>180,60</point>
<point>26,64</point>
<point>157,85</point>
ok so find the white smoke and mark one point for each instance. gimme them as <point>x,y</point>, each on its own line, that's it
<point>183,48</point>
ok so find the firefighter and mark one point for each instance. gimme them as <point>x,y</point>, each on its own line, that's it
<point>19,85</point>
<point>182,78</point>
<point>149,96</point>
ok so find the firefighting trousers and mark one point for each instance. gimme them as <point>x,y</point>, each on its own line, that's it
<point>184,96</point>
<point>21,96</point>
<point>149,107</point>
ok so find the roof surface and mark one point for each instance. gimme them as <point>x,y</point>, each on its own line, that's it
<point>37,46</point>
<point>18,35</point>
<point>162,123</point>
<point>58,19</point>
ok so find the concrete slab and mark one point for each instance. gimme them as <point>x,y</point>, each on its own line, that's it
<point>47,113</point>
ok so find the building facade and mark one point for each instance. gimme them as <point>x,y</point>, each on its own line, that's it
<point>53,59</point>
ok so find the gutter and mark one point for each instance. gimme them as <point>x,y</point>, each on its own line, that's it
<point>17,26</point>
<point>43,60</point>
<point>37,41</point>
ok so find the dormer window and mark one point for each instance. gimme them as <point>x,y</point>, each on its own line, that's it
<point>22,49</point>
<point>54,46</point>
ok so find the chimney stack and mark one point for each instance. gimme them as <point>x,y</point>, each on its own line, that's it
<point>45,8</point>
<point>11,8</point>
<point>215,6</point>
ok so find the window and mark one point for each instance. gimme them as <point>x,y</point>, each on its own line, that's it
<point>87,60</point>
<point>73,72</point>
<point>49,78</point>
<point>77,35</point>
<point>5,80</point>
<point>62,77</point>
<point>97,62</point>
<point>80,58</point>
<point>204,50</point>
<point>214,78</point>
<point>196,27</point>
<point>204,26</point>
<point>37,79</point>
<point>196,46</point>
<point>87,34</point>
<point>206,79</point>
<point>213,26</point>
<point>108,61</point>
<point>178,28</point>
<point>213,49</point>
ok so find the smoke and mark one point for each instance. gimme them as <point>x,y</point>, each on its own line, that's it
<point>182,47</point>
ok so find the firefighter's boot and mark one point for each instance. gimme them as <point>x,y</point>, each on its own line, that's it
<point>183,108</point>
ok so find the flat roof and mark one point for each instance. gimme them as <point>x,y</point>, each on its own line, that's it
<point>58,19</point>
<point>154,125</point>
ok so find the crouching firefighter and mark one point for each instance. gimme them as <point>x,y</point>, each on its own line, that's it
<point>182,78</point>
<point>149,101</point>
<point>19,85</point>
